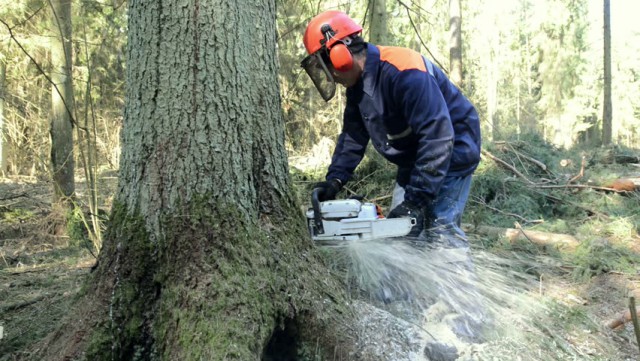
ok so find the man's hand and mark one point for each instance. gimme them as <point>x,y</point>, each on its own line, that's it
<point>328,189</point>
<point>408,209</point>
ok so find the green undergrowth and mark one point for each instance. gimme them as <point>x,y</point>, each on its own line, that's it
<point>16,215</point>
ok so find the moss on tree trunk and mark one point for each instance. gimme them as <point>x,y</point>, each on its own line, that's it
<point>218,288</point>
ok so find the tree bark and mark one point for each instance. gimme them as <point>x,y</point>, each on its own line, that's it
<point>206,256</point>
<point>455,42</point>
<point>62,105</point>
<point>607,116</point>
<point>378,22</point>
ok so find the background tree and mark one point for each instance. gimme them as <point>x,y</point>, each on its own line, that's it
<point>455,42</point>
<point>378,22</point>
<point>3,131</point>
<point>62,103</point>
<point>207,255</point>
<point>606,105</point>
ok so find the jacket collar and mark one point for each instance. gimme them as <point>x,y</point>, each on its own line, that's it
<point>369,75</point>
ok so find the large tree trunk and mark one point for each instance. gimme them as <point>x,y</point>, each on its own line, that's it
<point>455,42</point>
<point>206,256</point>
<point>61,122</point>
<point>607,120</point>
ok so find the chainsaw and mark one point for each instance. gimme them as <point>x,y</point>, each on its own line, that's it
<point>341,220</point>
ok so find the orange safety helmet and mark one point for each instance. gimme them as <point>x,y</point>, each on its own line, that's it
<point>326,39</point>
<point>332,31</point>
<point>342,26</point>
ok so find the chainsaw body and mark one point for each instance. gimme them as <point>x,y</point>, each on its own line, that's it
<point>352,220</point>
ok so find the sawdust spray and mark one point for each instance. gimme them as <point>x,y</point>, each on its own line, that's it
<point>482,304</point>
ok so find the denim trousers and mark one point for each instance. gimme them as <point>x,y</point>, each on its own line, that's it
<point>443,216</point>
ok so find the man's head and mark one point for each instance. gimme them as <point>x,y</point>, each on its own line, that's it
<point>336,51</point>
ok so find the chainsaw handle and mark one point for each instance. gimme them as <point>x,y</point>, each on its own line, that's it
<point>317,215</point>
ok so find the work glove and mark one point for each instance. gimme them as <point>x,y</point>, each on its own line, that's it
<point>328,189</point>
<point>409,209</point>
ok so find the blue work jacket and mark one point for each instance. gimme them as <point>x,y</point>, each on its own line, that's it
<point>414,116</point>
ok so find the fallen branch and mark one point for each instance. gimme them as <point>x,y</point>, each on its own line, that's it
<point>625,317</point>
<point>14,196</point>
<point>621,319</point>
<point>578,186</point>
<point>624,184</point>
<point>610,158</point>
<point>581,173</point>
<point>538,163</point>
<point>507,165</point>
<point>532,160</point>
<point>620,187</point>
<point>563,242</point>
<point>18,305</point>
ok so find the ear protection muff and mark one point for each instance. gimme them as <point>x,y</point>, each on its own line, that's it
<point>341,57</point>
<point>339,54</point>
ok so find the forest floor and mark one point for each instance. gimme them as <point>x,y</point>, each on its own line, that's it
<point>42,271</point>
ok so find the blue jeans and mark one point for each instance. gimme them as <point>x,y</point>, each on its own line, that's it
<point>442,219</point>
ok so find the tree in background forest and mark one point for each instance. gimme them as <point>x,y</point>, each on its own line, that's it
<point>29,31</point>
<point>606,106</point>
<point>206,256</point>
<point>3,79</point>
<point>455,43</point>
<point>378,22</point>
<point>62,103</point>
<point>43,62</point>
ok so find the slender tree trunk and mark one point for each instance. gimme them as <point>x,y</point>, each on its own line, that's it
<point>62,104</point>
<point>207,255</point>
<point>492,91</point>
<point>378,22</point>
<point>607,117</point>
<point>3,131</point>
<point>455,42</point>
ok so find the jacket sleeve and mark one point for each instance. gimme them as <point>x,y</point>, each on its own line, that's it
<point>351,145</point>
<point>417,95</point>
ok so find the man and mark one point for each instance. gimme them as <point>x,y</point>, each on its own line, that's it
<point>412,114</point>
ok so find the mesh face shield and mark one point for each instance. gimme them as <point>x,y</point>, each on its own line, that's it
<point>318,71</point>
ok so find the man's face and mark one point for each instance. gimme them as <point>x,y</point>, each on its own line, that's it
<point>345,78</point>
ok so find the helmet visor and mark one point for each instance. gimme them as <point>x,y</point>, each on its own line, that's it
<point>318,71</point>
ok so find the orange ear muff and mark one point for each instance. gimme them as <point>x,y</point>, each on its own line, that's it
<point>341,58</point>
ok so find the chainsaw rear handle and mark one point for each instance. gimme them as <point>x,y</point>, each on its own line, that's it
<point>317,215</point>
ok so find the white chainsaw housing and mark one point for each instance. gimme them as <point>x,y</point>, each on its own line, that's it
<point>352,220</point>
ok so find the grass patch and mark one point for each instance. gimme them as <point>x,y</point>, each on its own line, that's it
<point>17,215</point>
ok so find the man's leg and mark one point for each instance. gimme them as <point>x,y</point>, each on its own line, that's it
<point>445,215</point>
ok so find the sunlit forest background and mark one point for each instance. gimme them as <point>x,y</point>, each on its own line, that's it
<point>531,67</point>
